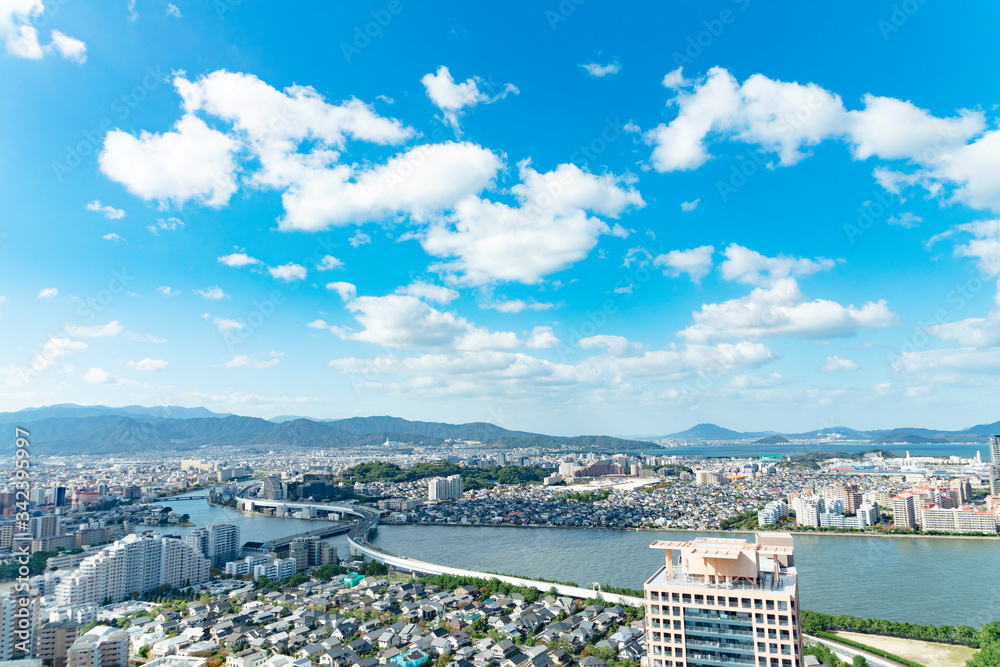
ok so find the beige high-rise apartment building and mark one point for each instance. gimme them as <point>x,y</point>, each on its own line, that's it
<point>725,601</point>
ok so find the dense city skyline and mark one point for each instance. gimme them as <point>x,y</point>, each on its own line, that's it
<point>548,218</point>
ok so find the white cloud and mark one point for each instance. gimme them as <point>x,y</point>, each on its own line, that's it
<point>69,48</point>
<point>192,163</point>
<point>173,11</point>
<point>166,290</point>
<point>329,263</point>
<point>783,118</point>
<point>99,376</point>
<point>244,361</point>
<point>974,332</point>
<point>54,348</point>
<point>744,381</point>
<point>145,338</point>
<point>547,231</point>
<point>782,310</point>
<point>984,246</point>
<point>226,325</point>
<point>148,365</point>
<point>288,272</point>
<point>110,329</point>
<point>417,182</point>
<point>541,337</point>
<point>752,268</point>
<point>110,212</point>
<point>835,364</point>
<point>359,239</point>
<point>453,98</point>
<point>959,360</point>
<point>516,305</point>
<point>429,292</point>
<point>165,225</point>
<point>318,324</point>
<point>905,220</point>
<point>347,291</point>
<point>48,293</point>
<point>112,237</point>
<point>404,321</point>
<point>21,38</point>
<point>953,158</point>
<point>688,206</point>
<point>318,190</point>
<point>617,346</point>
<point>696,262</point>
<point>594,69</point>
<point>214,293</point>
<point>238,259</point>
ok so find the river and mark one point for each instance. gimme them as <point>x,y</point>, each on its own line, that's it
<point>918,580</point>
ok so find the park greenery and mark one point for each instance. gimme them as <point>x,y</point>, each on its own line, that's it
<point>472,478</point>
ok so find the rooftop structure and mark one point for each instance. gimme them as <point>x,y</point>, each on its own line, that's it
<point>726,601</point>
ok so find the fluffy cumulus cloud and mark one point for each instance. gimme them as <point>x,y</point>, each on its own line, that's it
<point>405,321</point>
<point>752,268</point>
<point>782,310</point>
<point>550,228</point>
<point>192,163</point>
<point>99,376</point>
<point>329,263</point>
<point>454,98</point>
<point>214,293</point>
<point>696,262</point>
<point>429,292</point>
<point>53,348</point>
<point>290,272</point>
<point>21,39</point>
<point>953,157</point>
<point>238,259</point>
<point>48,293</point>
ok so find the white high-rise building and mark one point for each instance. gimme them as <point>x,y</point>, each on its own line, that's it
<point>444,488</point>
<point>219,544</point>
<point>18,618</point>
<point>136,563</point>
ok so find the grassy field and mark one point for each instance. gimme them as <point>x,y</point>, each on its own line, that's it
<point>926,653</point>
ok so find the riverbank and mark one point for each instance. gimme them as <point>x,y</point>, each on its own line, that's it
<point>816,533</point>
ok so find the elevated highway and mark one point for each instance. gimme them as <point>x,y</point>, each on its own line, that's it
<point>360,546</point>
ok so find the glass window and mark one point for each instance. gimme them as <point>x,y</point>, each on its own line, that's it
<point>770,604</point>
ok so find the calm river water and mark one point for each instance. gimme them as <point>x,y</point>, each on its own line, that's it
<point>919,580</point>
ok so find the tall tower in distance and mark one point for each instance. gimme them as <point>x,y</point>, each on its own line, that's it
<point>727,601</point>
<point>995,450</point>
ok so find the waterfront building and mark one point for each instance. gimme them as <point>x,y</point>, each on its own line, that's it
<point>444,488</point>
<point>727,601</point>
<point>102,646</point>
<point>807,508</point>
<point>135,563</point>
<point>995,449</point>
<point>962,489</point>
<point>773,512</point>
<point>904,514</point>
<point>218,543</point>
<point>959,520</point>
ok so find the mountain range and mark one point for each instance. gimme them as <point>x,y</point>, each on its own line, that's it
<point>96,429</point>
<point>911,435</point>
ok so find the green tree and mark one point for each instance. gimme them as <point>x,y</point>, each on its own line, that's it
<point>859,661</point>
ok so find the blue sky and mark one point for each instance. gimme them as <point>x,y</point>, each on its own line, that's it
<point>557,217</point>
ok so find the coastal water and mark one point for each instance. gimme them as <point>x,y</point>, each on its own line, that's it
<point>918,580</point>
<point>964,450</point>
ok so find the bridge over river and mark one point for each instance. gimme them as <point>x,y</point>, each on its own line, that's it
<point>357,535</point>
